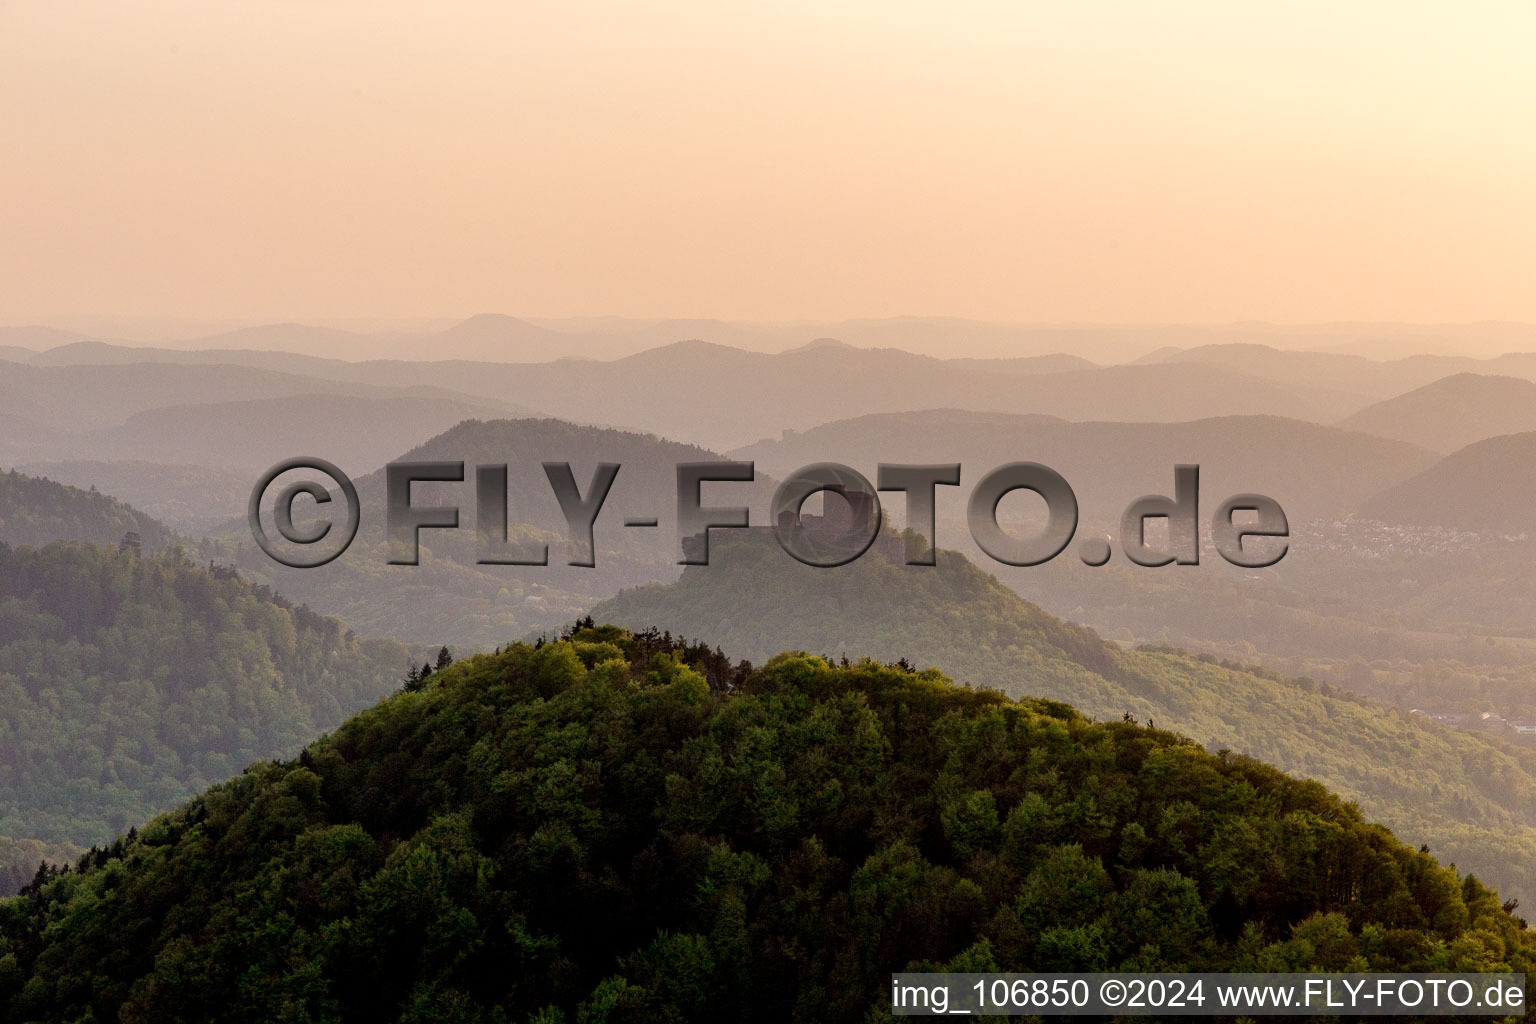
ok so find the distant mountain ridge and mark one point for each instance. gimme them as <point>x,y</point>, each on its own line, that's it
<point>495,336</point>
<point>1489,485</point>
<point>191,499</point>
<point>448,598</point>
<point>720,396</point>
<point>723,397</point>
<point>1312,470</point>
<point>1452,412</point>
<point>722,389</point>
<point>1370,379</point>
<point>216,414</point>
<point>359,433</point>
<point>706,382</point>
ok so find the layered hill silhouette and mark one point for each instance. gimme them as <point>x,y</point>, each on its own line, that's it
<point>217,413</point>
<point>1347,372</point>
<point>192,499</point>
<point>1453,412</point>
<point>1313,471</point>
<point>1484,486</point>
<point>1472,800</point>
<point>357,432</point>
<point>591,830</point>
<point>1350,372</point>
<point>1338,595</point>
<point>25,341</point>
<point>725,396</point>
<point>497,337</point>
<point>96,396</point>
<point>722,397</point>
<point>448,597</point>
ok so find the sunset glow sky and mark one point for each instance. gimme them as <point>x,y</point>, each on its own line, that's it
<point>1021,161</point>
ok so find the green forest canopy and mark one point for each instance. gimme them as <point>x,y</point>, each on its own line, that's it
<point>129,684</point>
<point>589,830</point>
<point>1472,800</point>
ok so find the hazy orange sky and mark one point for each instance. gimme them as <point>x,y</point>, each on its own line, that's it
<point>1070,161</point>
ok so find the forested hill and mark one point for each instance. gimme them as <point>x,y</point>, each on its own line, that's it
<point>449,597</point>
<point>128,684</point>
<point>36,511</point>
<point>589,831</point>
<point>1473,801</point>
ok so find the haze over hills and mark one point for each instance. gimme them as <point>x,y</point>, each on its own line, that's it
<point>1453,412</point>
<point>76,399</point>
<point>497,337</point>
<point>29,339</point>
<point>36,511</point>
<point>103,353</point>
<point>218,415</point>
<point>1370,378</point>
<point>1313,471</point>
<point>1310,605</point>
<point>722,397</point>
<point>1484,486</point>
<point>489,337</point>
<point>449,598</point>
<point>411,778</point>
<point>1335,600</point>
<point>1384,342</point>
<point>1473,801</point>
<point>1023,365</point>
<point>357,433</point>
<point>1346,372</point>
<point>192,499</point>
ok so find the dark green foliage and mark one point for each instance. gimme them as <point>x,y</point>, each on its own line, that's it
<point>128,684</point>
<point>586,831</point>
<point>35,511</point>
<point>1473,801</point>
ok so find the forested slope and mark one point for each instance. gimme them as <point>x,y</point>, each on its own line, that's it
<point>1473,801</point>
<point>128,684</point>
<point>590,831</point>
<point>36,511</point>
